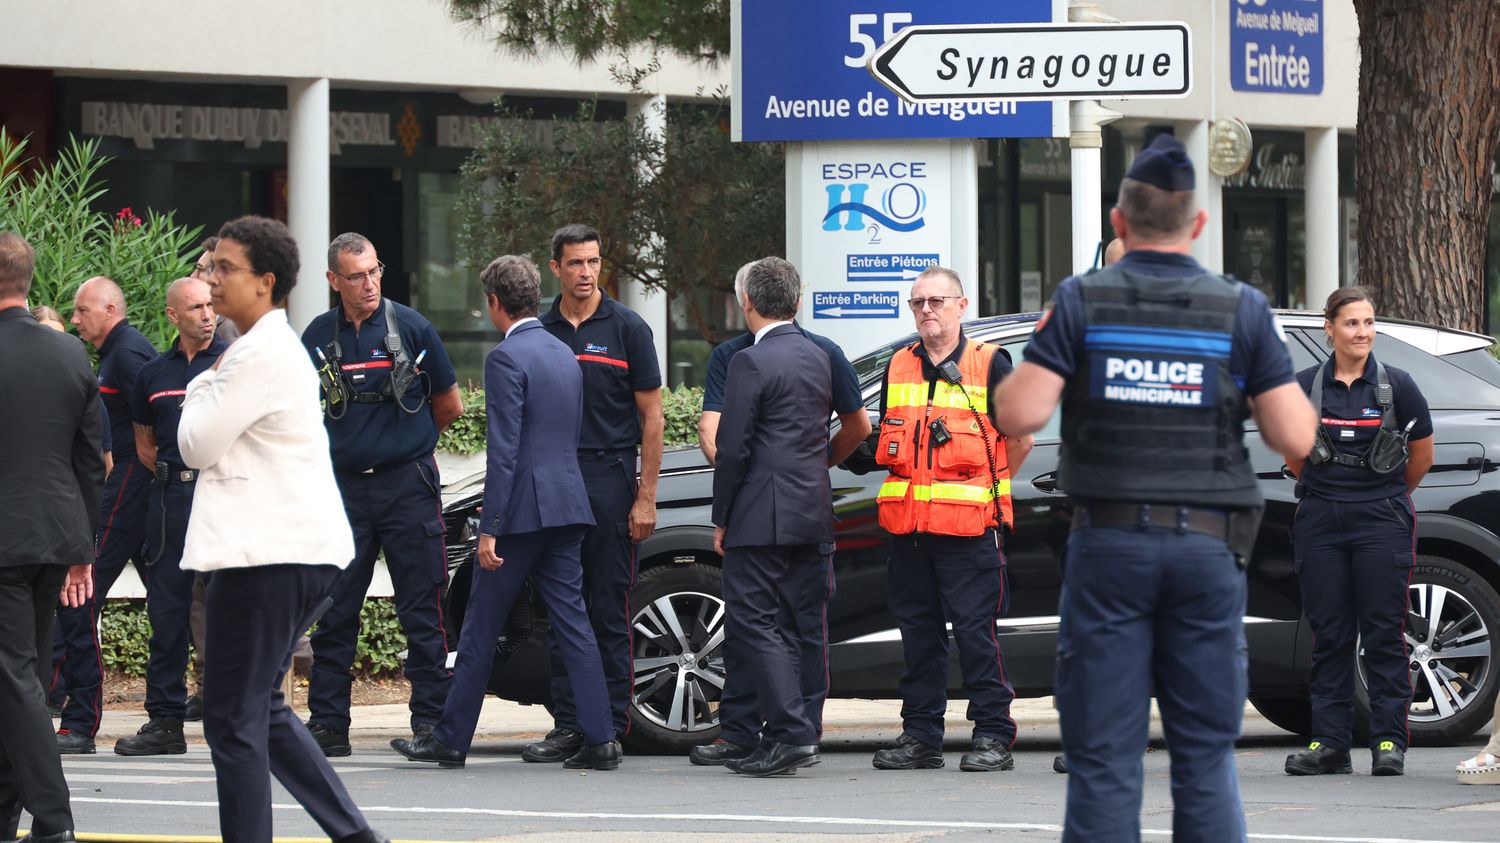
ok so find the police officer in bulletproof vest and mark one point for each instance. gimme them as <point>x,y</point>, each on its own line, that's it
<point>1355,516</point>
<point>388,391</point>
<point>947,504</point>
<point>1157,362</point>
<point>156,406</point>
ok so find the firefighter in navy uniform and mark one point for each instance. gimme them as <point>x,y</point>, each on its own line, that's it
<point>388,391</point>
<point>99,315</point>
<point>1157,363</point>
<point>621,409</point>
<point>1355,516</point>
<point>946,503</point>
<point>156,405</point>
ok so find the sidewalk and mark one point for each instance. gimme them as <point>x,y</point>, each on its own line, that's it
<point>504,720</point>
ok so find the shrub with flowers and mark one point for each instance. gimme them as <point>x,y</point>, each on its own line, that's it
<point>53,207</point>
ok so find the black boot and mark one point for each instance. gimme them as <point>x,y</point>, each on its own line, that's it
<point>1318,760</point>
<point>908,754</point>
<point>559,745</point>
<point>716,753</point>
<point>334,744</point>
<point>430,749</point>
<point>1387,759</point>
<point>988,755</point>
<point>599,756</point>
<point>160,736</point>
<point>74,743</point>
<point>194,711</point>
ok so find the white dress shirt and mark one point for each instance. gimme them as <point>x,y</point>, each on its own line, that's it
<point>766,329</point>
<point>266,494</point>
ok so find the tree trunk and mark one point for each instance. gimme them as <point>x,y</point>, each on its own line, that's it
<point>1429,125</point>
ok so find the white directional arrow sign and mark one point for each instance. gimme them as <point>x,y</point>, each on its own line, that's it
<point>1037,61</point>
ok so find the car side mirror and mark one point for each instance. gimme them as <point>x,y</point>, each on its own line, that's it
<point>862,461</point>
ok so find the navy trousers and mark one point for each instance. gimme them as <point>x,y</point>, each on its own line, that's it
<point>1142,609</point>
<point>1354,563</point>
<point>550,557</point>
<point>31,773</point>
<point>936,581</point>
<point>761,586</point>
<point>608,574</point>
<point>78,667</point>
<point>255,616</point>
<point>805,625</point>
<point>169,598</point>
<point>397,510</point>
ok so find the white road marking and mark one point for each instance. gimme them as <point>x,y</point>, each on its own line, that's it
<point>758,818</point>
<point>105,778</point>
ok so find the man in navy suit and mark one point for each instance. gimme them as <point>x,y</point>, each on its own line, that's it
<point>773,507</point>
<point>535,512</point>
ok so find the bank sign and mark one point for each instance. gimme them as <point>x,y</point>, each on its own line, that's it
<point>1276,46</point>
<point>800,72</point>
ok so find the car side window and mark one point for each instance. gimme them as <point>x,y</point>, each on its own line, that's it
<point>1052,430</point>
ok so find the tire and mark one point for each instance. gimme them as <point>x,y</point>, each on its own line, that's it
<point>679,662</point>
<point>1457,677</point>
<point>1293,714</point>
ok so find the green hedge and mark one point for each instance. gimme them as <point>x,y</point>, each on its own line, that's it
<point>125,638</point>
<point>681,406</point>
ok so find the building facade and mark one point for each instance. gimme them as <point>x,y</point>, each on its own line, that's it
<point>357,114</point>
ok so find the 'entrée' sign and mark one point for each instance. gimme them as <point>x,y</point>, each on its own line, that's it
<point>1071,61</point>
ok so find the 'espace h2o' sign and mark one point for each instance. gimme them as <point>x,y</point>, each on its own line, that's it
<point>800,72</point>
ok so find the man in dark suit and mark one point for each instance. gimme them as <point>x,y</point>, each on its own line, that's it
<point>773,507</point>
<point>535,512</point>
<point>50,483</point>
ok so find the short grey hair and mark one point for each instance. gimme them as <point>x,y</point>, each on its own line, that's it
<point>515,283</point>
<point>351,242</point>
<point>774,288</point>
<point>739,281</point>
<point>945,272</point>
<point>1154,214</point>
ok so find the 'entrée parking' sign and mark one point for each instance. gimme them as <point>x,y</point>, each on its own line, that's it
<point>1064,61</point>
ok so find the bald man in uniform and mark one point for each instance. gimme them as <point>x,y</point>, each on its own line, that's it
<point>100,317</point>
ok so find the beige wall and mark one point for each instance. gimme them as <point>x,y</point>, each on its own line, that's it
<point>355,43</point>
<point>1336,107</point>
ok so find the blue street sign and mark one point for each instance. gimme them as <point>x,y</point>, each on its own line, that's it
<point>800,72</point>
<point>888,267</point>
<point>856,305</point>
<point>1276,46</point>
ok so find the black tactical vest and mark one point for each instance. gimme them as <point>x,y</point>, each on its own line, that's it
<point>1153,414</point>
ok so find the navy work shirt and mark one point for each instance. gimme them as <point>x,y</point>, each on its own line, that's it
<point>108,441</point>
<point>157,400</point>
<point>1258,359</point>
<point>1352,418</point>
<point>846,397</point>
<point>122,356</point>
<point>382,435</point>
<point>1000,366</point>
<point>617,355</point>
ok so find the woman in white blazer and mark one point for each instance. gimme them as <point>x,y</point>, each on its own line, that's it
<point>269,525</point>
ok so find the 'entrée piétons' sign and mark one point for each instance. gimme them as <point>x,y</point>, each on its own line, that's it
<point>1037,61</point>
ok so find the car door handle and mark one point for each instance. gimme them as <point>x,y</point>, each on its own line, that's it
<point>1046,482</point>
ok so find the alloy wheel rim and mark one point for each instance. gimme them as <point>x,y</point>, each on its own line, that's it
<point>679,661</point>
<point>1451,662</point>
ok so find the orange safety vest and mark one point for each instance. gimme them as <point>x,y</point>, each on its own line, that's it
<point>947,489</point>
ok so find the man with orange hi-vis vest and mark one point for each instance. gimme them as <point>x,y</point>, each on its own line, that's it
<point>947,506</point>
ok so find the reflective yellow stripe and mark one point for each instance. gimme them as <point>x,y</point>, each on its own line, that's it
<point>897,489</point>
<point>950,396</point>
<point>906,395</point>
<point>946,396</point>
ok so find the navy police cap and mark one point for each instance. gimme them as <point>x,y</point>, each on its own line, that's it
<point>1163,164</point>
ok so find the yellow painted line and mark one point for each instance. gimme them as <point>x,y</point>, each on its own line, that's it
<point>104,837</point>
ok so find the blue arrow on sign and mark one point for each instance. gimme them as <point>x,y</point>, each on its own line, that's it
<point>884,304</point>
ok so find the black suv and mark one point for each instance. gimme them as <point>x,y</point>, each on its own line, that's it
<point>678,617</point>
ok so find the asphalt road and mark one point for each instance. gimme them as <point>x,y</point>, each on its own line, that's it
<point>664,799</point>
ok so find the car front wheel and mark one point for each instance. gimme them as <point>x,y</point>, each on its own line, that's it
<point>677,641</point>
<point>1454,615</point>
